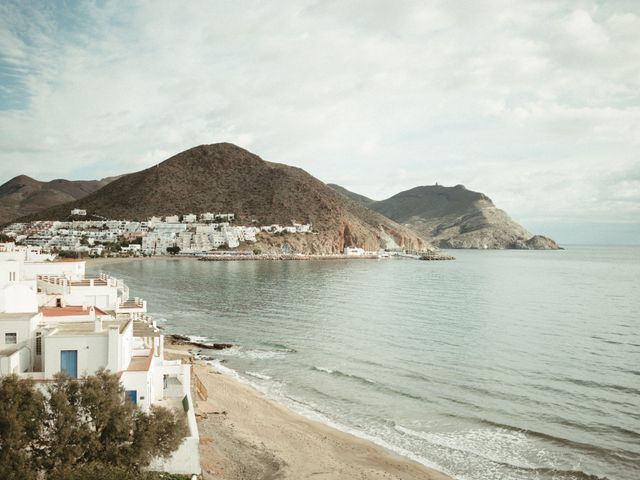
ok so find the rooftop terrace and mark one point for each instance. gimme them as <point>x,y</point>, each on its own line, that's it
<point>87,328</point>
<point>17,316</point>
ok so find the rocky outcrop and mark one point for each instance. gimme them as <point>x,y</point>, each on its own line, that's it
<point>540,242</point>
<point>454,217</point>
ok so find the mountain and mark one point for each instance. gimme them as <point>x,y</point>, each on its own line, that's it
<point>454,217</point>
<point>23,195</point>
<point>356,197</point>
<point>225,178</point>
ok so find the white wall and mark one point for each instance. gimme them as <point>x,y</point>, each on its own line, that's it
<point>92,352</point>
<point>9,272</point>
<point>18,362</point>
<point>18,298</point>
<point>72,270</point>
<point>141,383</point>
<point>24,328</point>
<point>186,459</point>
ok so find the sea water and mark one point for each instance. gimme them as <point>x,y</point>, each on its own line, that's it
<point>498,365</point>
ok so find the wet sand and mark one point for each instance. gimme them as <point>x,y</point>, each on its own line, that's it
<point>246,436</point>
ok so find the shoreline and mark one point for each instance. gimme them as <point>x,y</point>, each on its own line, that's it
<point>94,262</point>
<point>244,435</point>
<point>281,257</point>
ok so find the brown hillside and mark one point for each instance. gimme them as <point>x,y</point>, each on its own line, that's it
<point>23,195</point>
<point>226,178</point>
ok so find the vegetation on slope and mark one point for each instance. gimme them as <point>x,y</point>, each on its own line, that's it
<point>226,178</point>
<point>23,195</point>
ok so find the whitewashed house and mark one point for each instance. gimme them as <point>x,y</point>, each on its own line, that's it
<point>55,319</point>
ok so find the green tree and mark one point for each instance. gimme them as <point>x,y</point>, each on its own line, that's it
<point>117,433</point>
<point>79,425</point>
<point>66,433</point>
<point>173,250</point>
<point>22,413</point>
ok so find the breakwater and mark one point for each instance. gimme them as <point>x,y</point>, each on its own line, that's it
<point>234,257</point>
<point>227,258</point>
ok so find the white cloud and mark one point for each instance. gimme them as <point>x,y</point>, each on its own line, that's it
<point>536,104</point>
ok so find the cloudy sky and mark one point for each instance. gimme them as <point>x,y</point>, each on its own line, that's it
<point>535,103</point>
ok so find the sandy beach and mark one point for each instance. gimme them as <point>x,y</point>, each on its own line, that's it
<point>246,436</point>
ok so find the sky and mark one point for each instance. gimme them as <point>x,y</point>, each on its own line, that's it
<point>534,103</point>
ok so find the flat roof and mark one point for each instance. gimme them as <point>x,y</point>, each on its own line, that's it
<point>69,310</point>
<point>86,328</point>
<point>10,350</point>
<point>17,316</point>
<point>142,329</point>
<point>140,363</point>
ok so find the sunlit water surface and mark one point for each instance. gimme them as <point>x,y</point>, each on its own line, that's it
<point>499,365</point>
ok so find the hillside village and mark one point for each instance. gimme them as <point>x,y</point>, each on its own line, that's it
<point>54,318</point>
<point>189,234</point>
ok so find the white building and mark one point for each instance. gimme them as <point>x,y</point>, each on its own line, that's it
<point>55,319</point>
<point>354,251</point>
<point>79,212</point>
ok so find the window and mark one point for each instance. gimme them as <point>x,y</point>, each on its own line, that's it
<point>10,338</point>
<point>12,276</point>
<point>38,344</point>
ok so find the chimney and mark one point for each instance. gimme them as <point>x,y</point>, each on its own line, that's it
<point>97,322</point>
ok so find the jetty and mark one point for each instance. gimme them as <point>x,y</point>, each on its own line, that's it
<point>243,256</point>
<point>227,258</point>
<point>429,255</point>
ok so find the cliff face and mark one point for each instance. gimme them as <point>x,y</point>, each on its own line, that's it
<point>454,217</point>
<point>226,178</point>
<point>23,195</point>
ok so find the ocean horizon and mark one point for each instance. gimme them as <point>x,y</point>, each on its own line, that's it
<point>500,365</point>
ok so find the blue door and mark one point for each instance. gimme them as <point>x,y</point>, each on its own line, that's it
<point>131,395</point>
<point>69,362</point>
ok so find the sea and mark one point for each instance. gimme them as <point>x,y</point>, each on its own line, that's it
<point>498,365</point>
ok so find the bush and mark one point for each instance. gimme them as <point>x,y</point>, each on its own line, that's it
<point>68,254</point>
<point>97,471</point>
